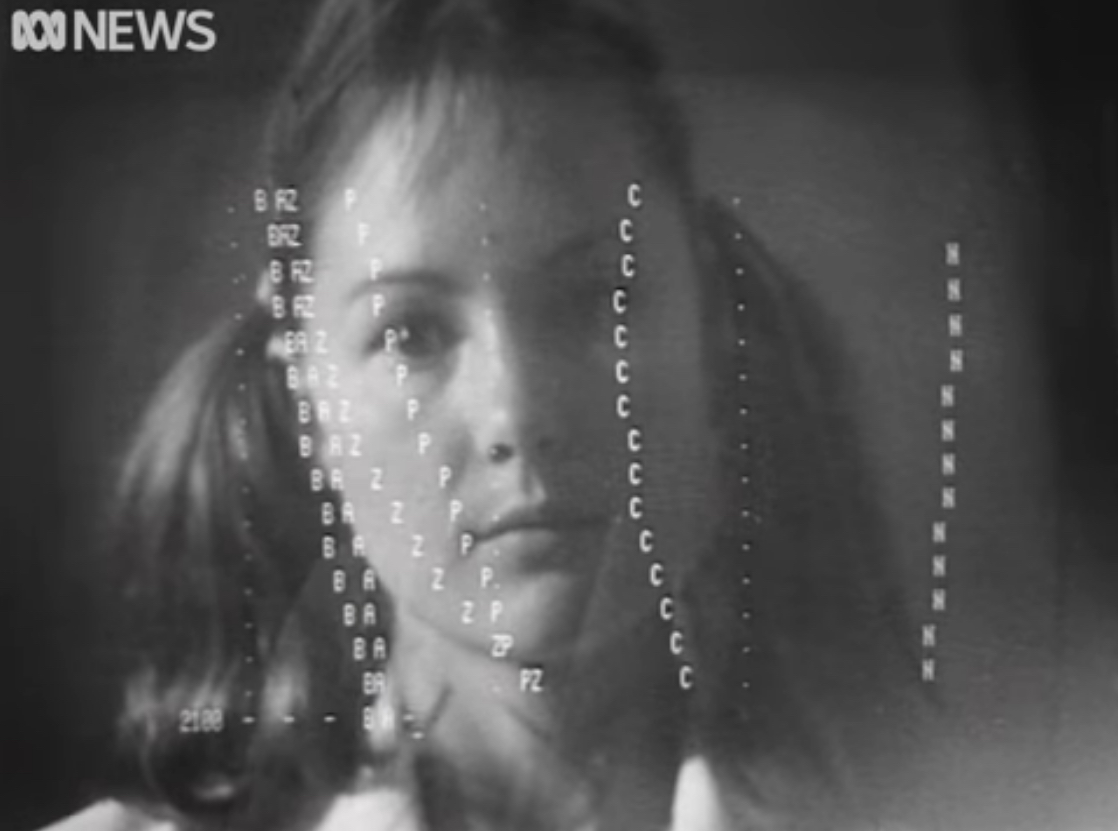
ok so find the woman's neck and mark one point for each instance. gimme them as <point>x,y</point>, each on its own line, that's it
<point>598,733</point>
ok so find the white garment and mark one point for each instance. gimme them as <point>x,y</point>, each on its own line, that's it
<point>695,807</point>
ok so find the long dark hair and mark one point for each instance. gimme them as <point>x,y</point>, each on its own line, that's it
<point>217,539</point>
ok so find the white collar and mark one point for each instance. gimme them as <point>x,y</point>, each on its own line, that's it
<point>696,805</point>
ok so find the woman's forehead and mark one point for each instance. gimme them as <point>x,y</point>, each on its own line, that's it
<point>537,165</point>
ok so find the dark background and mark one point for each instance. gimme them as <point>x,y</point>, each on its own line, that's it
<point>860,137</point>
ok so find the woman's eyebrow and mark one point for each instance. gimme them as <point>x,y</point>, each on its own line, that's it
<point>432,279</point>
<point>429,279</point>
<point>577,245</point>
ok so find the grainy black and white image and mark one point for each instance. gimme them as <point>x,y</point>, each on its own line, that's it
<point>560,415</point>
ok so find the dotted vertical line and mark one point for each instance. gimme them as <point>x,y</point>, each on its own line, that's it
<point>530,679</point>
<point>744,513</point>
<point>267,290</point>
<point>249,643</point>
<point>948,458</point>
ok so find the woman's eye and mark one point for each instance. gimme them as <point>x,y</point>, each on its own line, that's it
<point>416,337</point>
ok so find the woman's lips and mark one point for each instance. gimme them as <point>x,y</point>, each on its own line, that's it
<point>566,544</point>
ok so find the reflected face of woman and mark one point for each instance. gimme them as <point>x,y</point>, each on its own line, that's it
<point>519,422</point>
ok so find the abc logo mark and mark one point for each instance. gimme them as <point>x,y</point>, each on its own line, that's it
<point>112,30</point>
<point>38,30</point>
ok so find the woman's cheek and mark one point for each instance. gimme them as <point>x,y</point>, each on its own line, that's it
<point>669,464</point>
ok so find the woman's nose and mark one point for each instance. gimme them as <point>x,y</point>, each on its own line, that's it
<point>517,392</point>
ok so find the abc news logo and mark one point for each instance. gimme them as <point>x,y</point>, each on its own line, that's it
<point>118,30</point>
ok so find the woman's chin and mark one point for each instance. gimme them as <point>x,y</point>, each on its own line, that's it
<point>535,620</point>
